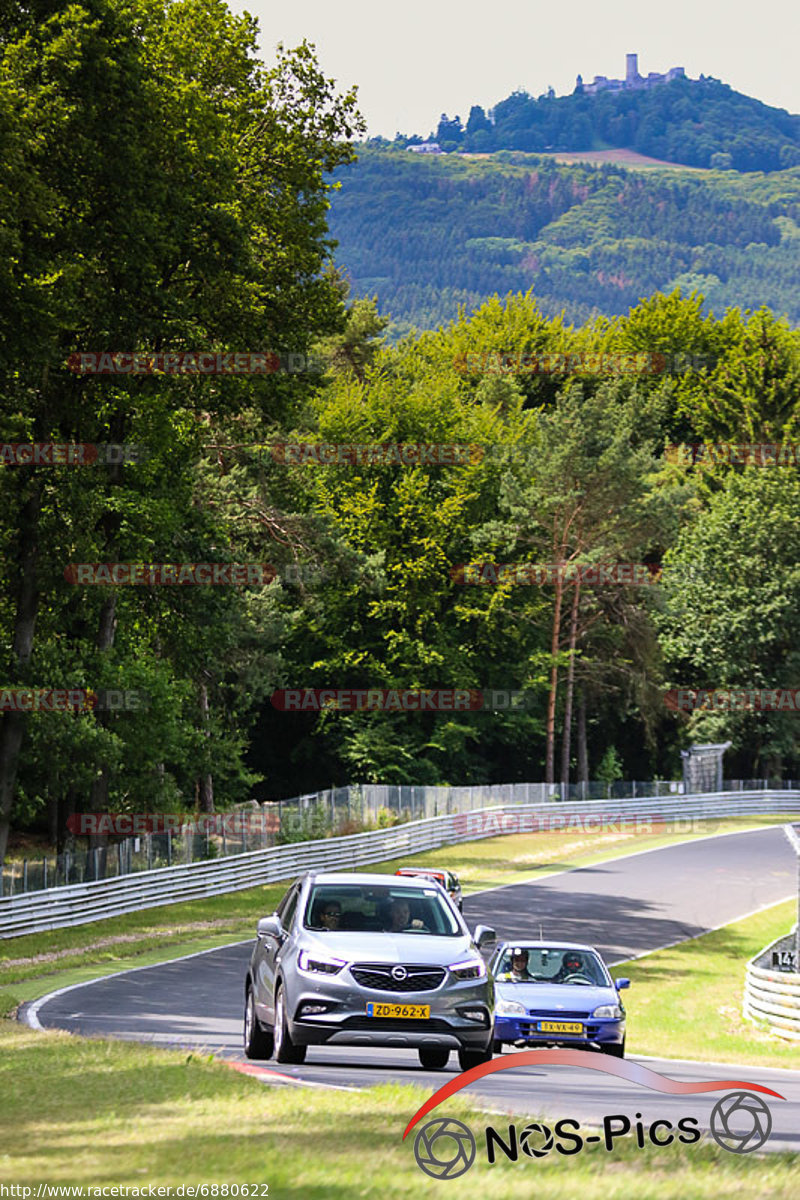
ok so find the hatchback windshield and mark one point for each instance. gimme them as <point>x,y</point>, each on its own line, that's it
<point>551,964</point>
<point>348,907</point>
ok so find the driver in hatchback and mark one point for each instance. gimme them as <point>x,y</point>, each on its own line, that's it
<point>572,964</point>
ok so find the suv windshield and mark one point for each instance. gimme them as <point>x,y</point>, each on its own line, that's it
<point>376,909</point>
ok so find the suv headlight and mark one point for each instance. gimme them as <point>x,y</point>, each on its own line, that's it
<point>470,968</point>
<point>510,1008</point>
<point>609,1010</point>
<point>315,964</point>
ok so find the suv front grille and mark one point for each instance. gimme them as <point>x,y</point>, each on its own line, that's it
<point>378,977</point>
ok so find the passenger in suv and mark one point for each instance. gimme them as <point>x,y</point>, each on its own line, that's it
<point>421,982</point>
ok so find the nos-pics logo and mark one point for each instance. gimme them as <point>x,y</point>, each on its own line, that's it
<point>446,1148</point>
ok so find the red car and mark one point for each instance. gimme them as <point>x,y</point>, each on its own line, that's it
<point>447,879</point>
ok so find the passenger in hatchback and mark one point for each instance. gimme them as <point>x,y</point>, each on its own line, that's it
<point>519,967</point>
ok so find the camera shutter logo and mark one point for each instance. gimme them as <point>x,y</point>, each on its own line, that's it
<point>444,1148</point>
<point>528,1140</point>
<point>740,1122</point>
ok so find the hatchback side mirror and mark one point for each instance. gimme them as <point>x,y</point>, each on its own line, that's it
<point>484,936</point>
<point>619,984</point>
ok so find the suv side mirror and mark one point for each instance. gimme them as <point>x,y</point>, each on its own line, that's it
<point>270,927</point>
<point>619,984</point>
<point>484,936</point>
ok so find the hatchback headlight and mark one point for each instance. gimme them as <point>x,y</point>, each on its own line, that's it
<point>470,968</point>
<point>609,1010</point>
<point>510,1008</point>
<point>315,964</point>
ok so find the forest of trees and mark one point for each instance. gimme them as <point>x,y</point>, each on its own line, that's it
<point>428,235</point>
<point>697,122</point>
<point>220,245</point>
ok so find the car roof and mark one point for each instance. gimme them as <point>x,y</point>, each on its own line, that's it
<point>366,879</point>
<point>422,871</point>
<point>551,945</point>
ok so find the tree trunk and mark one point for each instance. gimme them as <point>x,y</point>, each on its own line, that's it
<point>98,799</point>
<point>583,749</point>
<point>573,637</point>
<point>206,782</point>
<point>12,724</point>
<point>555,643</point>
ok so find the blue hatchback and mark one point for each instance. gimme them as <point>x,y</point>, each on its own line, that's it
<point>556,994</point>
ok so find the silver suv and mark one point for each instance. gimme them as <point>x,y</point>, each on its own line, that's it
<point>369,960</point>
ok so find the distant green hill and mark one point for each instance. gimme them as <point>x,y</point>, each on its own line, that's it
<point>426,234</point>
<point>685,121</point>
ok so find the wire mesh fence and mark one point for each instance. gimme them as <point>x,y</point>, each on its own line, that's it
<point>330,813</point>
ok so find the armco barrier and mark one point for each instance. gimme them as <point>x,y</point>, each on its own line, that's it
<point>78,904</point>
<point>773,996</point>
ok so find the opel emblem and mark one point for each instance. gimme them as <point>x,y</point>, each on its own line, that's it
<point>399,973</point>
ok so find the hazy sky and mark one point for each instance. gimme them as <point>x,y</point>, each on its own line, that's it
<point>414,59</point>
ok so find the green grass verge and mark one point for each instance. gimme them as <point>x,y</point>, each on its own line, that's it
<point>94,1112</point>
<point>37,963</point>
<point>686,1002</point>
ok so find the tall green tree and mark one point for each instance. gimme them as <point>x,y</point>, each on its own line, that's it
<point>168,194</point>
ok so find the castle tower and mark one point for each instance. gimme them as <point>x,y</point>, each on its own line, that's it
<point>631,69</point>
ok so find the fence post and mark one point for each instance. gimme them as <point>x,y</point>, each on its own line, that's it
<point>169,847</point>
<point>44,871</point>
<point>24,875</point>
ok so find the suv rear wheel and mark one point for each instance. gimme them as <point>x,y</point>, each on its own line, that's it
<point>285,1049</point>
<point>433,1058</point>
<point>473,1058</point>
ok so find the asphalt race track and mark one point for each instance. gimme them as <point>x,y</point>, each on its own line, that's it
<point>624,907</point>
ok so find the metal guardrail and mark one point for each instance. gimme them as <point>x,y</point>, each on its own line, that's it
<point>773,996</point>
<point>330,813</point>
<point>78,904</point>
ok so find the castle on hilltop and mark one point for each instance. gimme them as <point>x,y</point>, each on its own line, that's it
<point>632,81</point>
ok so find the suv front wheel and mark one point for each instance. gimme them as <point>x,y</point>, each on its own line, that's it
<point>285,1049</point>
